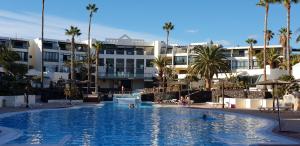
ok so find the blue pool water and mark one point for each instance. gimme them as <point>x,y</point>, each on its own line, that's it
<point>146,125</point>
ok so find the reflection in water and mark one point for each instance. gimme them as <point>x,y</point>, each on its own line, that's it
<point>155,127</point>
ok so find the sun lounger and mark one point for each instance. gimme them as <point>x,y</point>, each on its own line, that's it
<point>214,104</point>
<point>281,108</point>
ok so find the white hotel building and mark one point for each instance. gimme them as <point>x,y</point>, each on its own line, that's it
<point>21,46</point>
<point>125,61</point>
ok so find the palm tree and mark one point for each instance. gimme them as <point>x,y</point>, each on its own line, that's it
<point>287,4</point>
<point>97,46</point>
<point>298,39</point>
<point>270,35</point>
<point>160,63</point>
<point>295,59</point>
<point>92,9</point>
<point>73,31</point>
<point>42,45</point>
<point>266,5</point>
<point>209,62</point>
<point>251,42</point>
<point>168,27</point>
<point>283,41</point>
<point>272,58</point>
<point>8,58</point>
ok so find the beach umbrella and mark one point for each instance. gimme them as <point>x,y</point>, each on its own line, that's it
<point>273,83</point>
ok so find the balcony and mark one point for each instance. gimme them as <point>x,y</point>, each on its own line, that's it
<point>50,45</point>
<point>181,50</point>
<point>122,75</point>
<point>19,44</point>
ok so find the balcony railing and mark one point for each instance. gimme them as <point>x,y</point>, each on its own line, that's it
<point>125,75</point>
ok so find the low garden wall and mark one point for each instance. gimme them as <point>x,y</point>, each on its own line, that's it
<point>17,100</point>
<point>196,96</point>
<point>239,93</point>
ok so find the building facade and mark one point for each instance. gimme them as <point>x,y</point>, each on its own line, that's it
<point>125,61</point>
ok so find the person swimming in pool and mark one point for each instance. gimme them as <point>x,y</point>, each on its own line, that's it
<point>204,116</point>
<point>131,105</point>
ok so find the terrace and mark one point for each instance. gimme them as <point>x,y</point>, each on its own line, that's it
<point>19,44</point>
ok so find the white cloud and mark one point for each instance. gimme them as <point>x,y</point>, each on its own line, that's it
<point>28,25</point>
<point>253,36</point>
<point>223,42</point>
<point>192,31</point>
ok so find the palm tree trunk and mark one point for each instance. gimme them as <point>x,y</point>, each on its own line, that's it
<point>288,39</point>
<point>249,60</point>
<point>208,84</point>
<point>42,46</point>
<point>265,42</point>
<point>251,57</point>
<point>72,58</point>
<point>89,55</point>
<point>164,78</point>
<point>284,53</point>
<point>96,73</point>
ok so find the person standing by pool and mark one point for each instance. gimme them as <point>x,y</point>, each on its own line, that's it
<point>26,96</point>
<point>122,89</point>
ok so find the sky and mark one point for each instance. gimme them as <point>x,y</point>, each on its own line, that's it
<point>228,22</point>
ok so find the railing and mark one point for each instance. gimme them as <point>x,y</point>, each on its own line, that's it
<point>180,50</point>
<point>126,75</point>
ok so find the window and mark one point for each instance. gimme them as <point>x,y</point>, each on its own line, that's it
<point>130,66</point>
<point>139,51</point>
<point>23,56</point>
<point>169,50</point>
<point>48,45</point>
<point>241,53</point>
<point>140,66</point>
<point>239,64</point>
<point>110,51</point>
<point>19,44</point>
<point>101,51</point>
<point>130,51</point>
<point>149,50</point>
<point>3,43</point>
<point>120,51</point>
<point>149,63</point>
<point>180,60</point>
<point>101,62</point>
<point>120,65</point>
<point>51,56</point>
<point>110,65</point>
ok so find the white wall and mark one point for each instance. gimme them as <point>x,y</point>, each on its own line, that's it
<point>296,71</point>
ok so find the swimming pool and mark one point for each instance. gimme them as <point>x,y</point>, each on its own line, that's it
<point>111,124</point>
